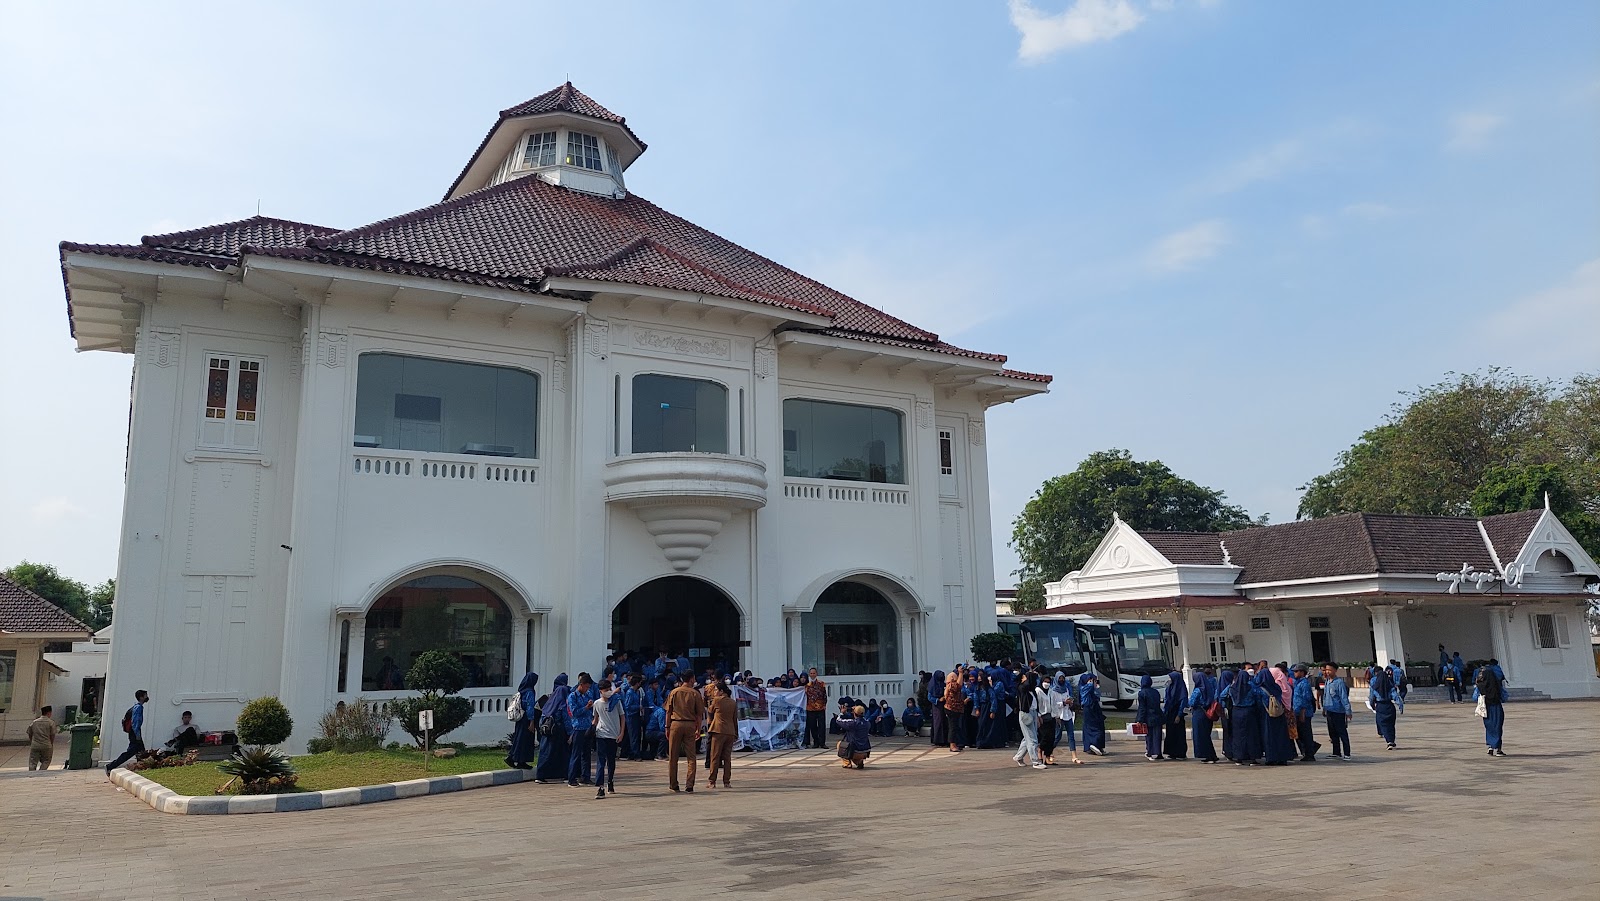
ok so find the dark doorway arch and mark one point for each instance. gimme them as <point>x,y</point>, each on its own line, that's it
<point>679,615</point>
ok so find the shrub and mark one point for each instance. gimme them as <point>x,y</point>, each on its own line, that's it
<point>319,745</point>
<point>259,770</point>
<point>437,672</point>
<point>353,727</point>
<point>264,721</point>
<point>992,646</point>
<point>449,714</point>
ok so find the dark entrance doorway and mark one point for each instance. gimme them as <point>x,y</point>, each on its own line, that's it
<point>679,615</point>
<point>1321,646</point>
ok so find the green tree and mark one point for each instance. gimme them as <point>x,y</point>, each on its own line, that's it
<point>1069,514</point>
<point>993,646</point>
<point>92,606</point>
<point>438,675</point>
<point>1478,443</point>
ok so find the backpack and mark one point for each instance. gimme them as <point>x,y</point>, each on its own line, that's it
<point>1488,685</point>
<point>127,722</point>
<point>514,710</point>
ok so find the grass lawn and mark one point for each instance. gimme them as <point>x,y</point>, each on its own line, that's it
<point>319,772</point>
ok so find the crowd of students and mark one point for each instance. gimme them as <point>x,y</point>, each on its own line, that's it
<point>1266,712</point>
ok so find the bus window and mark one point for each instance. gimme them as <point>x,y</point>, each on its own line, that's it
<point>1015,631</point>
<point>1053,644</point>
<point>1141,649</point>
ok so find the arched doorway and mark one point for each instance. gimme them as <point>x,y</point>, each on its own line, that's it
<point>436,612</point>
<point>852,630</point>
<point>680,615</point>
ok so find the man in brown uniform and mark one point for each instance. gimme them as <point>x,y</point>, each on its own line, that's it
<point>686,710</point>
<point>724,728</point>
<point>41,740</point>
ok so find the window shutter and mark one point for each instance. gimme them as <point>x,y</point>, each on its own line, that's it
<point>1562,637</point>
<point>1533,626</point>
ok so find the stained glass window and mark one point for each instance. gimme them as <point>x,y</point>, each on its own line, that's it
<point>217,388</point>
<point>249,382</point>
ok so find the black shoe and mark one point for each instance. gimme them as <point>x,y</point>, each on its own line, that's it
<point>689,790</point>
<point>510,763</point>
<point>1499,753</point>
<point>611,788</point>
<point>600,794</point>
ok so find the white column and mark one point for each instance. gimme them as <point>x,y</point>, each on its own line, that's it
<point>519,648</point>
<point>792,635</point>
<point>908,658</point>
<point>1183,647</point>
<point>1500,637</point>
<point>356,660</point>
<point>1384,633</point>
<point>1289,635</point>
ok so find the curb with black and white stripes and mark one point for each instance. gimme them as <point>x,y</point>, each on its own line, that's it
<point>165,800</point>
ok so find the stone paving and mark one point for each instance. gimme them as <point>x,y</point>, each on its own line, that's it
<point>1436,819</point>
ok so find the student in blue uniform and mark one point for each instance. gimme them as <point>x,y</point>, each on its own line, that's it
<point>1175,745</point>
<point>632,699</point>
<point>1276,746</point>
<point>1383,698</point>
<point>1200,700</point>
<point>911,718</point>
<point>524,732</point>
<point>554,749</point>
<point>1149,714</point>
<point>1094,716</point>
<point>1304,708</point>
<point>655,733</point>
<point>1336,710</point>
<point>1246,701</point>
<point>1225,695</point>
<point>580,728</point>
<point>1490,688</point>
<point>885,719</point>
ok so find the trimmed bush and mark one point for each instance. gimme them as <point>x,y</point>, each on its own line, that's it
<point>449,714</point>
<point>993,646</point>
<point>438,672</point>
<point>264,721</point>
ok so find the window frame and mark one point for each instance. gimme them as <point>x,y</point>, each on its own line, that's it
<point>905,457</point>
<point>545,149</point>
<point>234,421</point>
<point>577,151</point>
<point>537,416</point>
<point>728,414</point>
<point>1213,626</point>
<point>1254,620</point>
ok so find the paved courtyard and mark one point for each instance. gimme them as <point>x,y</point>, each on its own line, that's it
<point>1436,819</point>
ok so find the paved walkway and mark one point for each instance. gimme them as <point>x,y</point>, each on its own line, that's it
<point>1412,823</point>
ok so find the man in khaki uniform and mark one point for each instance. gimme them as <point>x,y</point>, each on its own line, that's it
<point>686,710</point>
<point>724,728</point>
<point>41,740</point>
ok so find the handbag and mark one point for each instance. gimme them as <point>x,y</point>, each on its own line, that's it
<point>1214,712</point>
<point>1482,709</point>
<point>547,725</point>
<point>1274,708</point>
<point>514,709</point>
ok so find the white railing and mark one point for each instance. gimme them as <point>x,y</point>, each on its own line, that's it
<point>850,493</point>
<point>481,703</point>
<point>420,467</point>
<point>895,688</point>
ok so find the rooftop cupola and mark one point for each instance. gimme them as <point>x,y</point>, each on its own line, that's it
<point>561,136</point>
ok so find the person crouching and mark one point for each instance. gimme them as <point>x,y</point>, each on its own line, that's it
<point>856,745</point>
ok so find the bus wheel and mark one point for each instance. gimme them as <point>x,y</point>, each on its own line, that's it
<point>1122,705</point>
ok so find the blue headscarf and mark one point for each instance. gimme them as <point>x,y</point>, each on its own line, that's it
<point>1241,688</point>
<point>528,682</point>
<point>1177,693</point>
<point>1228,676</point>
<point>1145,682</point>
<point>558,697</point>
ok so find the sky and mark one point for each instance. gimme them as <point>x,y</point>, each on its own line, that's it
<point>1233,231</point>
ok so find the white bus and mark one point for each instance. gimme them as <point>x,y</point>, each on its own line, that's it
<point>1118,650</point>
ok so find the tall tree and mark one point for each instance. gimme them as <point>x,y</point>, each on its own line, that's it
<point>1069,514</point>
<point>1478,443</point>
<point>93,606</point>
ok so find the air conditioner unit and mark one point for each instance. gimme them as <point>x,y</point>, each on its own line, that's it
<point>1236,640</point>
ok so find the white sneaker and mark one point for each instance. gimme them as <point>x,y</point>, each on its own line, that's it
<point>1020,762</point>
<point>1039,766</point>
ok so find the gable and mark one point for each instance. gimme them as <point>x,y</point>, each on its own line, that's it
<point>1532,565</point>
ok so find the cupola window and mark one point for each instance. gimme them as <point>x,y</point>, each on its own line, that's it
<point>540,150</point>
<point>583,151</point>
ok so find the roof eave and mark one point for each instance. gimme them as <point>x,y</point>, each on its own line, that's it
<point>732,304</point>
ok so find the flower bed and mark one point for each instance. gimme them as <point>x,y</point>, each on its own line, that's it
<point>317,772</point>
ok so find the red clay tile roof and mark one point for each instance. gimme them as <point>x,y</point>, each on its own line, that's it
<point>1350,544</point>
<point>230,238</point>
<point>22,611</point>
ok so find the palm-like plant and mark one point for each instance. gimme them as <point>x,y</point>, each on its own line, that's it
<point>257,765</point>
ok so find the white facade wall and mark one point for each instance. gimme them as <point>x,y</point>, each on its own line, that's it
<point>238,567</point>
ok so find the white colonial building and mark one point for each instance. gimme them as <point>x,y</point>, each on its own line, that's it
<point>541,419</point>
<point>1357,588</point>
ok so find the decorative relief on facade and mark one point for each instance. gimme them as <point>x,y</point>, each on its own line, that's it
<point>163,346</point>
<point>924,414</point>
<point>682,344</point>
<point>224,519</point>
<point>302,354</point>
<point>766,362</point>
<point>333,348</point>
<point>597,333</point>
<point>975,433</point>
<point>558,374</point>
<point>571,334</point>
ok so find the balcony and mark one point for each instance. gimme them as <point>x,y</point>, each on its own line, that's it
<point>684,500</point>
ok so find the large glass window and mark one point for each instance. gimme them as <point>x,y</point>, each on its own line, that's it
<point>825,440</point>
<point>853,630</point>
<point>583,151</point>
<point>434,613</point>
<point>540,150</point>
<point>418,404</point>
<point>673,415</point>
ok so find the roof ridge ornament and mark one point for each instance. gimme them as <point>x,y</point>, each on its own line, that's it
<point>1227,558</point>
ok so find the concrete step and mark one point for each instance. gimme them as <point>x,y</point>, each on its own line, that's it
<point>1441,695</point>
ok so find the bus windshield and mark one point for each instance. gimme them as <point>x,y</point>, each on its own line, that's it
<point>1053,644</point>
<point>1141,650</point>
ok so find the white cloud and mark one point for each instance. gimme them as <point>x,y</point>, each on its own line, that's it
<point>1552,332</point>
<point>51,510</point>
<point>1471,131</point>
<point>1181,250</point>
<point>1084,22</point>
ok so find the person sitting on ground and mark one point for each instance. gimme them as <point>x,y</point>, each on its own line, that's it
<point>655,733</point>
<point>856,746</point>
<point>885,719</point>
<point>911,718</point>
<point>186,735</point>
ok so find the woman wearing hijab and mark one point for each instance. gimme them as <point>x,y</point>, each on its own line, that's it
<point>955,709</point>
<point>554,751</point>
<point>1246,700</point>
<point>1046,719</point>
<point>1149,714</point>
<point>1063,700</point>
<point>970,709</point>
<point>1225,695</point>
<point>1276,744</point>
<point>938,731</point>
<point>1383,698</point>
<point>525,731</point>
<point>1030,700</point>
<point>1200,701</point>
<point>856,745</point>
<point>1094,717</point>
<point>1175,703</point>
<point>995,715</point>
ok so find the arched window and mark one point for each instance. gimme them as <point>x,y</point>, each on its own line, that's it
<point>433,613</point>
<point>853,630</point>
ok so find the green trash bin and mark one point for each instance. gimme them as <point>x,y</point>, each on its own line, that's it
<point>69,714</point>
<point>81,756</point>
